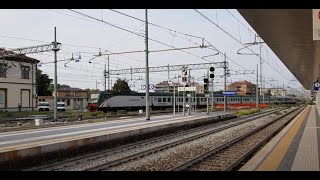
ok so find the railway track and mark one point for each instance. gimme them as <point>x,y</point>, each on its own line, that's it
<point>154,143</point>
<point>230,155</point>
<point>222,126</point>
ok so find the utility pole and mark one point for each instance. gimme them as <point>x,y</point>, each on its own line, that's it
<point>283,94</point>
<point>189,98</point>
<point>168,79</point>
<point>32,90</point>
<point>96,84</point>
<point>105,77</point>
<point>225,81</point>
<point>174,99</point>
<point>178,96</point>
<point>257,94</point>
<point>147,70</point>
<point>184,97</point>
<point>55,74</point>
<point>212,97</point>
<point>260,70</point>
<point>207,95</point>
<point>108,73</point>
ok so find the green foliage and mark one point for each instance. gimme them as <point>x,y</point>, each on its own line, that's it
<point>121,86</point>
<point>51,87</point>
<point>43,83</point>
<point>217,92</point>
<point>243,112</point>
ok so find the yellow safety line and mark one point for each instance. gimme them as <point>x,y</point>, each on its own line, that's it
<point>272,162</point>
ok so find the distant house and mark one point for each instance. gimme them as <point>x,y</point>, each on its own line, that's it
<point>242,87</point>
<point>18,83</point>
<point>74,98</point>
<point>278,92</point>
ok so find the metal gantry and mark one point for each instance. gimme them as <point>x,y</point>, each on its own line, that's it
<point>168,68</point>
<point>30,50</point>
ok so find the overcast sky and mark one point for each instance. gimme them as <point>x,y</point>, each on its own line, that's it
<point>78,33</point>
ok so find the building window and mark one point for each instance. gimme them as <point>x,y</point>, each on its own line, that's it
<point>25,72</point>
<point>68,102</point>
<point>3,70</point>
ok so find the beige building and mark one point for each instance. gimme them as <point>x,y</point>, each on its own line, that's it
<point>164,87</point>
<point>74,98</point>
<point>17,83</point>
<point>278,92</point>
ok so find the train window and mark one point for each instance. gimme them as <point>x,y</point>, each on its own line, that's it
<point>169,99</point>
<point>159,100</point>
<point>164,99</point>
<point>155,99</point>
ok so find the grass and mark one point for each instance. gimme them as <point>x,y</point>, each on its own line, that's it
<point>23,113</point>
<point>244,112</point>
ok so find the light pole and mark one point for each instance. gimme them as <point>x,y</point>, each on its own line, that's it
<point>174,94</point>
<point>147,69</point>
<point>260,59</point>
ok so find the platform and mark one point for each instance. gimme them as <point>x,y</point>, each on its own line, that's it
<point>20,144</point>
<point>295,148</point>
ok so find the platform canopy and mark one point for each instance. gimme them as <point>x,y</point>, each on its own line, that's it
<point>289,33</point>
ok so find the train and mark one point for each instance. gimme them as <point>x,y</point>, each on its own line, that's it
<point>114,101</point>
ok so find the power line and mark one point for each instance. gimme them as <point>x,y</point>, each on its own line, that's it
<point>171,30</point>
<point>135,33</point>
<point>235,39</point>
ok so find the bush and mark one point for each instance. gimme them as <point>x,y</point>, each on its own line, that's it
<point>95,114</point>
<point>243,112</point>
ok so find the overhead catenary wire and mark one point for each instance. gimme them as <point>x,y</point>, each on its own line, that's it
<point>236,40</point>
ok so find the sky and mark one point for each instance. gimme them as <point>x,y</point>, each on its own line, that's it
<point>79,34</point>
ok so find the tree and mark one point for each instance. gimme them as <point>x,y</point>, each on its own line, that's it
<point>121,86</point>
<point>43,84</point>
<point>51,87</point>
<point>218,92</point>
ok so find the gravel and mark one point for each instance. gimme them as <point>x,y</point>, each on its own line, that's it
<point>166,159</point>
<point>171,157</point>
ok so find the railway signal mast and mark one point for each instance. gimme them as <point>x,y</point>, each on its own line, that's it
<point>184,82</point>
<point>212,79</point>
